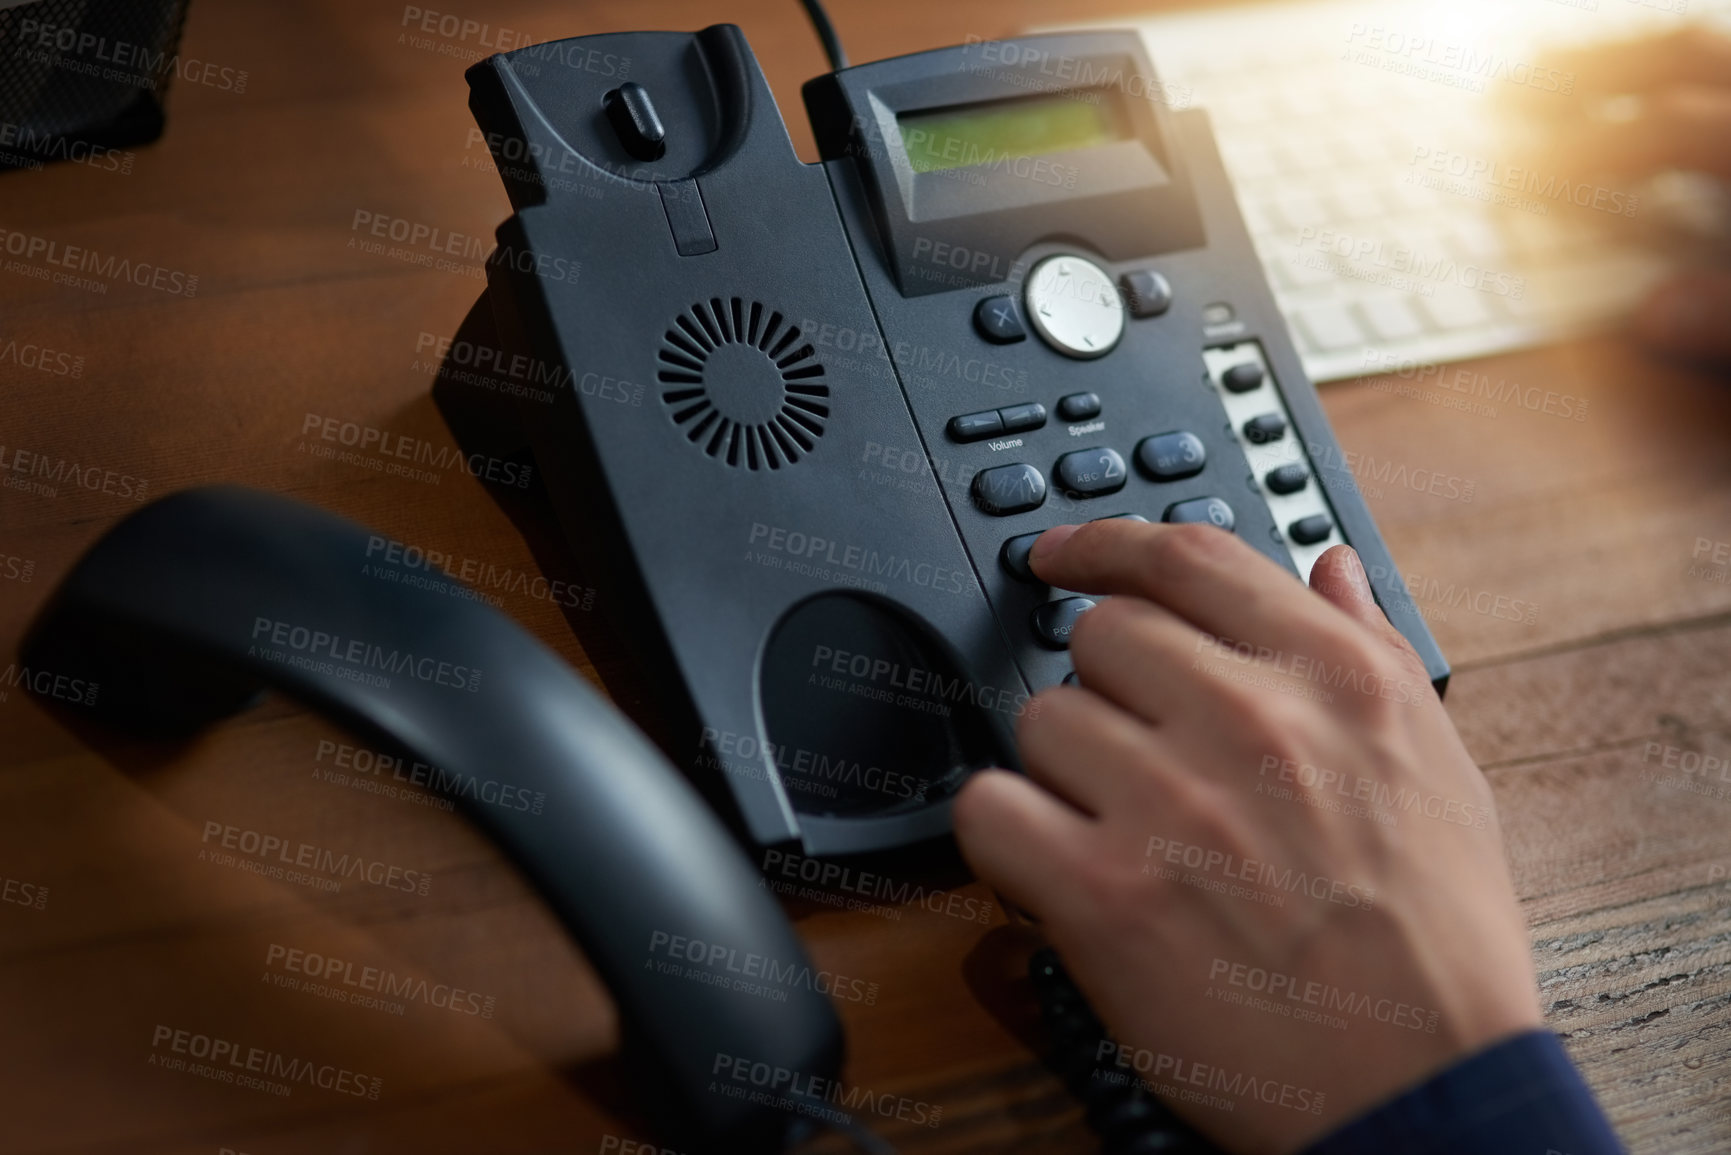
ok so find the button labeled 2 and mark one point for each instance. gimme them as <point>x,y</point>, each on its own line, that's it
<point>1090,472</point>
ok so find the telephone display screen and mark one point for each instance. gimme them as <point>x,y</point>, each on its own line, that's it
<point>957,137</point>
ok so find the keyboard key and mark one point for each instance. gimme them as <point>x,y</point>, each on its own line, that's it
<point>1330,327</point>
<point>1391,318</point>
<point>1456,308</point>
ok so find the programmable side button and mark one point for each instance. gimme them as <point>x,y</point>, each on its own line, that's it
<point>1242,378</point>
<point>1021,418</point>
<point>1208,510</point>
<point>1090,472</point>
<point>999,321</point>
<point>1310,530</point>
<point>1262,430</point>
<point>1014,557</point>
<point>1054,621</point>
<point>976,426</point>
<point>1171,456</point>
<point>1079,407</point>
<point>1288,478</point>
<point>1008,489</point>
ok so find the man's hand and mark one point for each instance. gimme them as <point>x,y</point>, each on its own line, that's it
<point>1254,837</point>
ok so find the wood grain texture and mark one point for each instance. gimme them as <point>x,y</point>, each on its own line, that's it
<point>1622,865</point>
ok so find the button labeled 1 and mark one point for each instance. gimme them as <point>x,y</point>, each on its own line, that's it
<point>1008,489</point>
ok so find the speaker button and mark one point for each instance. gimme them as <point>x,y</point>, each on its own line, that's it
<point>1079,407</point>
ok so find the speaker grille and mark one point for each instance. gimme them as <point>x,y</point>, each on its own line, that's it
<point>797,416</point>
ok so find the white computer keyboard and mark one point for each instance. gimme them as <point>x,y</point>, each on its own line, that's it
<point>1361,138</point>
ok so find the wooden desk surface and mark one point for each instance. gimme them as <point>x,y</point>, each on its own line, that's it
<point>1569,708</point>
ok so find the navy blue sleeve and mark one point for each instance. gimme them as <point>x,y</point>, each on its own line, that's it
<point>1521,1096</point>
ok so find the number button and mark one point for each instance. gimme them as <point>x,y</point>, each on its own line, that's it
<point>1090,472</point>
<point>1211,510</point>
<point>1171,456</point>
<point>1009,489</point>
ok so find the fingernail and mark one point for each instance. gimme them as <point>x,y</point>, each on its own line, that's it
<point>1356,577</point>
<point>1052,539</point>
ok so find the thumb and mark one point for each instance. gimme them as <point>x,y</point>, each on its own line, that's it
<point>1339,577</point>
<point>1689,316</point>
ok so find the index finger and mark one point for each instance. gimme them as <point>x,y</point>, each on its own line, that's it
<point>1207,576</point>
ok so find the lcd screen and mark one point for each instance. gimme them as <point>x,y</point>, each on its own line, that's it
<point>976,134</point>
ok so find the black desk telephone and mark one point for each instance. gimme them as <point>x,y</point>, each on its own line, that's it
<point>816,414</point>
<point>1004,301</point>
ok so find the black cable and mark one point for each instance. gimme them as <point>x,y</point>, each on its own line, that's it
<point>826,32</point>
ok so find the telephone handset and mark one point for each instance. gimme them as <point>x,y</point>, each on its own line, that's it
<point>816,414</point>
